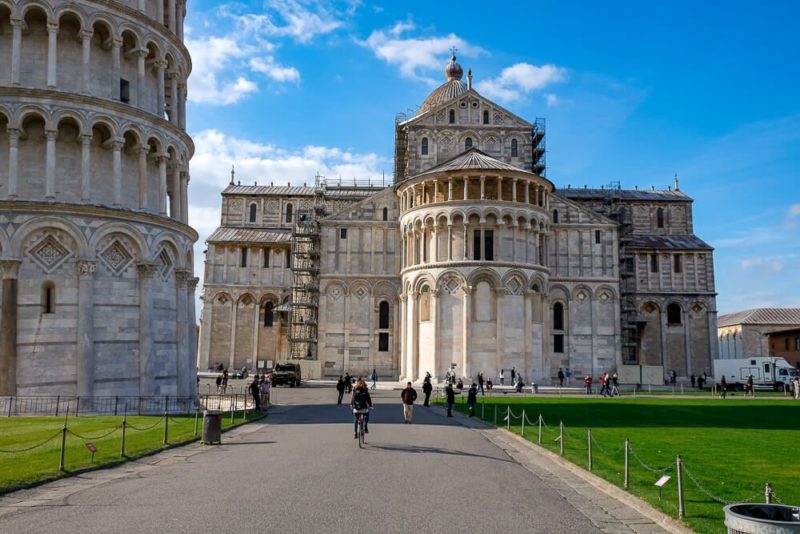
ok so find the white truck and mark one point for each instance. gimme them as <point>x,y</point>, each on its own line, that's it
<point>768,372</point>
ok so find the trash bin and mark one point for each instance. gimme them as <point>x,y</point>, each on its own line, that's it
<point>212,427</point>
<point>754,518</point>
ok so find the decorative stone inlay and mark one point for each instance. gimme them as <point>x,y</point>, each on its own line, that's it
<point>445,141</point>
<point>697,308</point>
<point>581,296</point>
<point>360,292</point>
<point>116,257</point>
<point>450,285</point>
<point>491,143</point>
<point>273,206</point>
<point>49,253</point>
<point>165,261</point>
<point>236,204</point>
<point>514,286</point>
<point>604,296</point>
<point>247,300</point>
<point>86,267</point>
<point>222,299</point>
<point>498,117</point>
<point>335,293</point>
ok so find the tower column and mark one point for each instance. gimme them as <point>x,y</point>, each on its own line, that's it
<point>466,310</point>
<point>86,354</point>
<point>9,269</point>
<point>86,167</point>
<point>86,38</point>
<point>161,159</point>
<point>50,165</point>
<point>185,198</point>
<point>146,356</point>
<point>144,150</point>
<point>116,66</point>
<point>52,42</point>
<point>117,145</point>
<point>13,161</point>
<point>175,199</point>
<point>16,47</point>
<point>183,359</point>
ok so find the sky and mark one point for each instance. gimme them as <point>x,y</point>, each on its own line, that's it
<point>632,92</point>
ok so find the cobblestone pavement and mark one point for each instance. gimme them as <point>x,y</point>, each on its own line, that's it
<point>299,470</point>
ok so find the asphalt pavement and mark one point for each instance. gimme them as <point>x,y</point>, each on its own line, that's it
<point>300,470</point>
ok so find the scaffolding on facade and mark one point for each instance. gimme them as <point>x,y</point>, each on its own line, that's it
<point>538,155</point>
<point>303,319</point>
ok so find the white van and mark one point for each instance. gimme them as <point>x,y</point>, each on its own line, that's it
<point>767,372</point>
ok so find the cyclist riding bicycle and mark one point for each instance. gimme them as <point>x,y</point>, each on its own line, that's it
<point>361,402</point>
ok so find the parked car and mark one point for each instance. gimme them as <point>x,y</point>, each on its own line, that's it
<point>286,373</point>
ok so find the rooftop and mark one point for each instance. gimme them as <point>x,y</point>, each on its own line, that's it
<point>668,242</point>
<point>762,316</point>
<point>452,88</point>
<point>653,195</point>
<point>228,234</point>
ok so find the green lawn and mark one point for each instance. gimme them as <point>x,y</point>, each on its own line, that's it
<point>144,435</point>
<point>730,447</point>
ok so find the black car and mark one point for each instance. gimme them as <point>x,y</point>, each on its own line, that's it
<point>286,373</point>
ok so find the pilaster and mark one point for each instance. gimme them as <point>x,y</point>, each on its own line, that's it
<point>85,354</point>
<point>9,269</point>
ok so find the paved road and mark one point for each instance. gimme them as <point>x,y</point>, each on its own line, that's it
<point>300,470</point>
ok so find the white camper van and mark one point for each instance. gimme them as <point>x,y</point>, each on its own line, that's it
<point>766,371</point>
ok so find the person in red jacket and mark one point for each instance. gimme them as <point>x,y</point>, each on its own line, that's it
<point>587,383</point>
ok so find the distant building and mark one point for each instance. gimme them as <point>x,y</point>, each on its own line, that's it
<point>745,333</point>
<point>786,344</point>
<point>471,258</point>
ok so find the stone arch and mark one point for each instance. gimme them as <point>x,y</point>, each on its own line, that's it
<point>515,282</point>
<point>129,231</point>
<point>484,274</point>
<point>41,223</point>
<point>359,289</point>
<point>385,290</point>
<point>559,292</point>
<point>65,114</point>
<point>4,243</point>
<point>163,240</point>
<point>582,287</point>
<point>24,113</point>
<point>610,291</point>
<point>450,281</point>
<point>538,283</point>
<point>421,280</point>
<point>26,7</point>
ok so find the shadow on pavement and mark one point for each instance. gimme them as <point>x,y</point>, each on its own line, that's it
<point>433,450</point>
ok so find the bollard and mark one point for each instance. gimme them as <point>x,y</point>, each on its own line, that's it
<point>540,429</point>
<point>627,446</point>
<point>63,442</point>
<point>681,507</point>
<point>231,405</point>
<point>681,389</point>
<point>508,417</point>
<point>124,426</point>
<point>589,441</point>
<point>196,414</point>
<point>495,415</point>
<point>166,428</point>
<point>522,427</point>
<point>58,401</point>
<point>768,493</point>
<point>561,437</point>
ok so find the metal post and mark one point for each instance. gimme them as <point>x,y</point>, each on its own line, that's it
<point>589,441</point>
<point>166,427</point>
<point>58,401</point>
<point>124,427</point>
<point>561,437</point>
<point>495,414</point>
<point>196,414</point>
<point>508,417</point>
<point>231,405</point>
<point>63,442</point>
<point>627,446</point>
<point>522,427</point>
<point>77,406</point>
<point>768,493</point>
<point>681,507</point>
<point>540,429</point>
<point>116,402</point>
<point>483,406</point>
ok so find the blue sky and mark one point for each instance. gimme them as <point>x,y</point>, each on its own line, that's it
<point>632,92</point>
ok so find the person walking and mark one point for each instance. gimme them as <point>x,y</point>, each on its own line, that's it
<point>340,389</point>
<point>219,383</point>
<point>265,387</point>
<point>224,381</point>
<point>513,375</point>
<point>255,391</point>
<point>408,396</point>
<point>615,385</point>
<point>348,383</point>
<point>502,376</point>
<point>472,398</point>
<point>480,383</point>
<point>427,388</point>
<point>587,383</point>
<point>604,389</point>
<point>560,378</point>
<point>374,377</point>
<point>723,385</point>
<point>450,395</point>
<point>568,374</point>
<point>749,386</point>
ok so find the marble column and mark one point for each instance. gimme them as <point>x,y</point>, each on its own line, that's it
<point>173,97</point>
<point>161,159</point>
<point>403,340</point>
<point>466,327</point>
<point>175,187</point>
<point>9,269</point>
<point>191,287</point>
<point>86,38</point>
<point>182,105</point>
<point>139,99</point>
<point>185,198</point>
<point>117,145</point>
<point>116,65</point>
<point>256,325</point>
<point>144,150</point>
<point>450,189</point>
<point>466,235</point>
<point>449,242</point>
<point>179,19</point>
<point>413,365</point>
<point>500,293</point>
<point>466,188</point>
<point>527,342</point>
<point>85,354</point>
<point>183,363</point>
<point>172,18</point>
<point>161,65</point>
<point>146,356</point>
<point>13,161</point>
<point>160,12</point>
<point>52,41</point>
<point>483,188</point>
<point>16,48</point>
<point>50,165</point>
<point>514,190</point>
<point>86,167</point>
<point>527,192</point>
<point>499,188</point>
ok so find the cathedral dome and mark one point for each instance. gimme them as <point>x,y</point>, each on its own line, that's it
<point>449,90</point>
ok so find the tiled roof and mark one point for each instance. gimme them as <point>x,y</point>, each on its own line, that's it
<point>227,234</point>
<point>669,242</point>
<point>624,194</point>
<point>281,190</point>
<point>473,159</point>
<point>766,316</point>
<point>444,93</point>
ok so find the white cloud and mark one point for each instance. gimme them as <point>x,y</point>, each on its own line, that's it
<point>520,79</point>
<point>794,211</point>
<point>414,55</point>
<point>300,21</point>
<point>211,58</point>
<point>274,71</point>
<point>552,100</point>
<point>770,265</point>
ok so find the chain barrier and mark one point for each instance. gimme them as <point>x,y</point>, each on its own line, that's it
<point>51,438</point>
<point>603,449</point>
<point>716,498</point>
<point>776,498</point>
<point>90,438</point>
<point>649,468</point>
<point>158,422</point>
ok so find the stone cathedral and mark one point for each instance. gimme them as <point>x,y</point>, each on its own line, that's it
<point>471,258</point>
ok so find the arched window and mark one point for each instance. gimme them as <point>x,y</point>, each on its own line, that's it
<point>486,117</point>
<point>253,209</point>
<point>385,214</point>
<point>514,150</point>
<point>558,316</point>
<point>660,217</point>
<point>269,314</point>
<point>289,213</point>
<point>383,315</point>
<point>425,304</point>
<point>48,297</point>
<point>555,216</point>
<point>674,314</point>
<point>452,116</point>
<point>424,146</point>
<point>467,143</point>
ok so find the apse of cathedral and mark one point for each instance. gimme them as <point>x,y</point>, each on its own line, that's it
<point>470,260</point>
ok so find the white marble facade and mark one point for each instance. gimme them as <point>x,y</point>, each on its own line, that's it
<point>95,250</point>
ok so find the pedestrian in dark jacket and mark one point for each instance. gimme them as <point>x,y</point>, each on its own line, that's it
<point>480,383</point>
<point>450,395</point>
<point>408,396</point>
<point>348,383</point>
<point>427,388</point>
<point>560,377</point>
<point>340,389</point>
<point>255,391</point>
<point>472,398</point>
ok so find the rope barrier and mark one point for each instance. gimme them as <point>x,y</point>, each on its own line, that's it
<point>603,449</point>
<point>89,438</point>
<point>654,470</point>
<point>158,422</point>
<point>51,438</point>
<point>716,498</point>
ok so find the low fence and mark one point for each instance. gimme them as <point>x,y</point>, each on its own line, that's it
<point>120,405</point>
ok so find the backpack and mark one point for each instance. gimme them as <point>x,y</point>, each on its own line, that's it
<point>360,400</point>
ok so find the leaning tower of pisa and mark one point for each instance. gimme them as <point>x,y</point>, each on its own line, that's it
<point>95,249</point>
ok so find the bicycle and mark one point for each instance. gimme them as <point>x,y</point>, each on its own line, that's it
<point>360,424</point>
